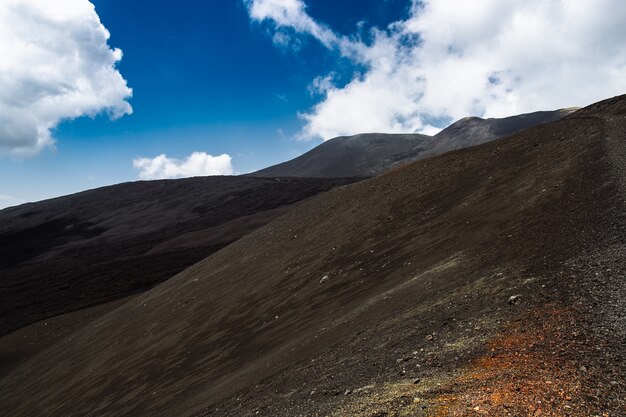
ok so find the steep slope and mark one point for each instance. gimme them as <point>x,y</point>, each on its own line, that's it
<point>72,252</point>
<point>370,154</point>
<point>470,283</point>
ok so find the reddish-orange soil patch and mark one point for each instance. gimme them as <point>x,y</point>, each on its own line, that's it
<point>533,368</point>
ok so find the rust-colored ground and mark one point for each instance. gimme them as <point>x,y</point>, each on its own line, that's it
<point>544,363</point>
<point>533,369</point>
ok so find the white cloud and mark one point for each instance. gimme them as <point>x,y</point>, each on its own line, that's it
<point>55,65</point>
<point>289,14</point>
<point>196,164</point>
<point>451,59</point>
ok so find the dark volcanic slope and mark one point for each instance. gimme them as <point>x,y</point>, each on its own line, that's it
<point>472,131</point>
<point>370,154</point>
<point>360,155</point>
<point>72,252</point>
<point>335,308</point>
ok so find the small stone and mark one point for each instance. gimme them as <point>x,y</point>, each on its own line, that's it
<point>348,392</point>
<point>416,381</point>
<point>417,400</point>
<point>324,279</point>
<point>514,299</point>
<point>430,337</point>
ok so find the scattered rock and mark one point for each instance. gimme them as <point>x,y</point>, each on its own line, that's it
<point>515,299</point>
<point>416,381</point>
<point>430,337</point>
<point>365,389</point>
<point>348,392</point>
<point>324,279</point>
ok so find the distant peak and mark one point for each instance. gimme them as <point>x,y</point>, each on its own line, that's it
<point>612,106</point>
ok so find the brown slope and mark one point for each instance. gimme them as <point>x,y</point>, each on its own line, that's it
<point>421,262</point>
<point>85,249</point>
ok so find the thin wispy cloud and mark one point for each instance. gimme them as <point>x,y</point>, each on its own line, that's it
<point>447,60</point>
<point>7,201</point>
<point>55,65</point>
<point>289,14</point>
<point>195,165</point>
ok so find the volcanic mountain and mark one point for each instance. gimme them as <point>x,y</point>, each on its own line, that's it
<point>369,154</point>
<point>101,245</point>
<point>483,281</point>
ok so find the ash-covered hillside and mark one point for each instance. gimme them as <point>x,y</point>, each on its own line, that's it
<point>483,281</point>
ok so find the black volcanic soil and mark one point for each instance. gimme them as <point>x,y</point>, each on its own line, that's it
<point>73,252</point>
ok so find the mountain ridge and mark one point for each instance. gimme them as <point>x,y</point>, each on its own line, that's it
<point>372,153</point>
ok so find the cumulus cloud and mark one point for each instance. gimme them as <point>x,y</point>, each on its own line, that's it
<point>451,59</point>
<point>196,164</point>
<point>55,65</point>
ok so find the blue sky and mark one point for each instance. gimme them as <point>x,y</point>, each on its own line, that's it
<point>266,80</point>
<point>204,78</point>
